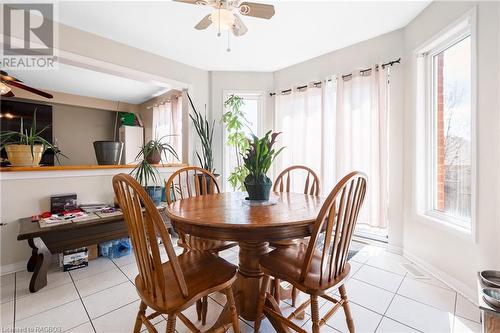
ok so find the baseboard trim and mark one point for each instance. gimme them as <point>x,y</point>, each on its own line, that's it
<point>12,268</point>
<point>447,279</point>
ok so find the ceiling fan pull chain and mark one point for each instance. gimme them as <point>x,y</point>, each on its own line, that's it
<point>219,33</point>
<point>228,45</point>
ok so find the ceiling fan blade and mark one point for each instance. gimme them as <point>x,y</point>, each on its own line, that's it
<point>32,90</point>
<point>194,2</point>
<point>239,28</point>
<point>6,77</point>
<point>204,23</point>
<point>257,10</point>
<point>9,94</point>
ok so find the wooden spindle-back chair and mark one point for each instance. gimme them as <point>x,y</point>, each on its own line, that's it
<point>171,287</point>
<point>190,182</point>
<point>322,263</point>
<point>284,180</point>
<point>285,183</point>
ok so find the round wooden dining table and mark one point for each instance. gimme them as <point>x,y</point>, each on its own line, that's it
<point>226,216</point>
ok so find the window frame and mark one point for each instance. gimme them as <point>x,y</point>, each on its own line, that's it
<point>425,176</point>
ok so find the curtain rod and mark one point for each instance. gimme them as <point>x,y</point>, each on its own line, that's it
<point>316,84</point>
<point>169,100</point>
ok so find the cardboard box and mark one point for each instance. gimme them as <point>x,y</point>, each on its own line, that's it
<point>74,259</point>
<point>92,249</point>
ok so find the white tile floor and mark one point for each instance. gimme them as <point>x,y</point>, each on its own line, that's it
<point>102,298</point>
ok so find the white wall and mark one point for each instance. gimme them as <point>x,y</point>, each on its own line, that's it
<point>245,81</point>
<point>455,258</point>
<point>359,56</point>
<point>21,198</point>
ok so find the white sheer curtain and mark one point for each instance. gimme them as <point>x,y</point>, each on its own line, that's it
<point>167,124</point>
<point>298,117</point>
<point>337,129</point>
<point>358,116</point>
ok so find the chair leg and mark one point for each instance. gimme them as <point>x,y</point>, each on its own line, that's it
<point>199,306</point>
<point>262,301</point>
<point>315,313</point>
<point>232,307</point>
<point>171,323</point>
<point>204,310</point>
<point>138,319</point>
<point>277,290</point>
<point>294,296</point>
<point>347,310</point>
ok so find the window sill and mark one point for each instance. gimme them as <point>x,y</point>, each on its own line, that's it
<point>434,221</point>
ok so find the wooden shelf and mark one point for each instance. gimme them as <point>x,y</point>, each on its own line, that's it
<point>82,167</point>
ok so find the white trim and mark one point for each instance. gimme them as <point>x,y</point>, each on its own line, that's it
<point>15,175</point>
<point>448,280</point>
<point>423,177</point>
<point>13,268</point>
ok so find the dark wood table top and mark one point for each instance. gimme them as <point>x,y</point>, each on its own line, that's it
<point>227,210</point>
<point>29,229</point>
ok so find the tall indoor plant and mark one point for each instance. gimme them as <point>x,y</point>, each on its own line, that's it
<point>205,132</point>
<point>26,146</point>
<point>258,159</point>
<point>235,122</point>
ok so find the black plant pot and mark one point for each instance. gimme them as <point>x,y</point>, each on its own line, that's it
<point>258,191</point>
<point>108,152</point>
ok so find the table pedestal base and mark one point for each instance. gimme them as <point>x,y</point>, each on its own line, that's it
<point>246,288</point>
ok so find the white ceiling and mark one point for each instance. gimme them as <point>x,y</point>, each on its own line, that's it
<point>85,82</point>
<point>300,30</point>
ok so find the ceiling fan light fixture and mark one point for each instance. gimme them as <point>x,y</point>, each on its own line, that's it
<point>4,89</point>
<point>223,18</point>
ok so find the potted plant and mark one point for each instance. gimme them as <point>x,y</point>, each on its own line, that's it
<point>205,132</point>
<point>235,122</point>
<point>146,173</point>
<point>154,149</point>
<point>26,147</point>
<point>258,159</point>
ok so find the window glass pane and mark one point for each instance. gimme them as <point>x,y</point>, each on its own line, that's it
<point>452,104</point>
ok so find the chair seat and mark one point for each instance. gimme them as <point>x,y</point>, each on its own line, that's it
<point>285,263</point>
<point>204,273</point>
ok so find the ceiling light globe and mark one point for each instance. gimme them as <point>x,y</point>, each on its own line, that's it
<point>226,18</point>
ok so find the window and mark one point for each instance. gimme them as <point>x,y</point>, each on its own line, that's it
<point>251,108</point>
<point>167,124</point>
<point>446,72</point>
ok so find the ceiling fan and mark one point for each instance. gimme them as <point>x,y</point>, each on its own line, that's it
<point>6,81</point>
<point>224,14</point>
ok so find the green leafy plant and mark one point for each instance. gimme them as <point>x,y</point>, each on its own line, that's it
<point>145,173</point>
<point>29,137</point>
<point>235,121</point>
<point>259,157</point>
<point>155,148</point>
<point>205,133</point>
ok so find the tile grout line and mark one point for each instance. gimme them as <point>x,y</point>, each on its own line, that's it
<point>83,304</point>
<point>393,297</point>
